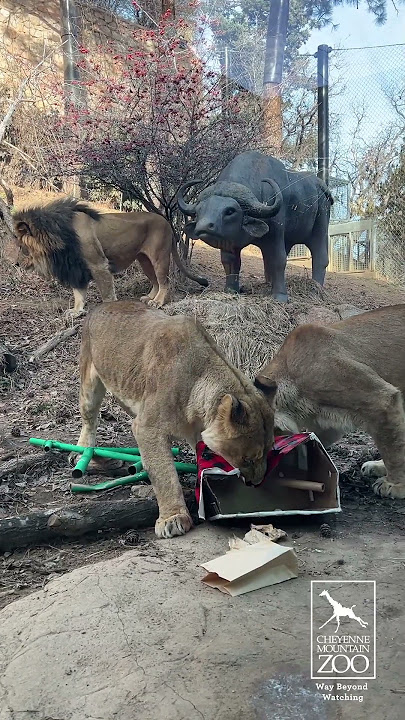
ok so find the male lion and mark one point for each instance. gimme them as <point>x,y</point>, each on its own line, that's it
<point>74,243</point>
<point>171,377</point>
<point>346,376</point>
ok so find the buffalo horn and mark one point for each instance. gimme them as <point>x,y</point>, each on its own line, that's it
<point>187,208</point>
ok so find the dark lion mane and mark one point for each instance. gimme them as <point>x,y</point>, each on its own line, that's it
<point>51,226</point>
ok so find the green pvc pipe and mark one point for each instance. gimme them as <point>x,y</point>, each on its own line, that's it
<point>134,468</point>
<point>54,445</point>
<point>130,451</point>
<point>131,480</point>
<point>109,484</point>
<point>111,453</point>
<point>185,467</point>
<point>81,466</point>
<point>180,467</point>
<point>116,455</point>
<point>125,454</point>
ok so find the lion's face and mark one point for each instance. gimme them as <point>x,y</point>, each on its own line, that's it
<point>31,255</point>
<point>242,433</point>
<point>24,258</point>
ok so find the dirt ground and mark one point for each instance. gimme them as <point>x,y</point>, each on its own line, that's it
<point>41,400</point>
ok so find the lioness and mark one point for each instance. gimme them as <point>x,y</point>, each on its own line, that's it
<point>346,376</point>
<point>74,243</point>
<point>171,377</point>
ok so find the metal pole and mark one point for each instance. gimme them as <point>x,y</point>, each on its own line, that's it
<point>275,43</point>
<point>74,92</point>
<point>322,56</point>
<point>273,71</point>
<point>226,64</point>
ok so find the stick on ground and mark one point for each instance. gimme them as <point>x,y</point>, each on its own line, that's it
<point>53,342</point>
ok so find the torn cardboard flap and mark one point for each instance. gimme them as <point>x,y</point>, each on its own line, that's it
<point>249,567</point>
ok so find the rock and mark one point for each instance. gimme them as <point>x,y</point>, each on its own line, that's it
<point>140,637</point>
<point>347,310</point>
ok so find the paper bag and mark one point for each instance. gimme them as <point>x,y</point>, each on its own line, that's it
<point>250,567</point>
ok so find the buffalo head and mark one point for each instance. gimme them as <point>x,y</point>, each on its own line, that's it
<point>225,208</point>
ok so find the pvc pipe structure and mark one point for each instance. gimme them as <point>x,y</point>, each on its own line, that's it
<point>131,455</point>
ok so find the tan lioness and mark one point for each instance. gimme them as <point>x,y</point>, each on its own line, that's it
<point>343,377</point>
<point>72,242</point>
<point>170,376</point>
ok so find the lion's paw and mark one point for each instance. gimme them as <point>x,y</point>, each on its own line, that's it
<point>174,525</point>
<point>385,488</point>
<point>374,468</point>
<point>104,466</point>
<point>71,315</point>
<point>145,299</point>
<point>155,304</point>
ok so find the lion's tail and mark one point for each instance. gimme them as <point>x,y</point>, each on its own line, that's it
<point>201,280</point>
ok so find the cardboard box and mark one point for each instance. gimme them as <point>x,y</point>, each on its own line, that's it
<point>224,495</point>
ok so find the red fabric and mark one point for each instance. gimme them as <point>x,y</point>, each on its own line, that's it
<point>207,459</point>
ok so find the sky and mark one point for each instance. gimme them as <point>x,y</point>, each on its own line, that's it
<point>357,28</point>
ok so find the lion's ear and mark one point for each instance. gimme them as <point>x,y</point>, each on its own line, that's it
<point>267,386</point>
<point>22,228</point>
<point>231,410</point>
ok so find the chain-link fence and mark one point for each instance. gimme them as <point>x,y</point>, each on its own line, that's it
<point>367,136</point>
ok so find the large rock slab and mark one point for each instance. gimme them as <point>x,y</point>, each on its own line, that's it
<point>140,638</point>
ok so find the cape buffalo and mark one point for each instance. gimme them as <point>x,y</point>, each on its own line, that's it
<point>256,200</point>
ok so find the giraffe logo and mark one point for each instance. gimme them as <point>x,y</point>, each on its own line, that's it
<point>343,636</point>
<point>339,611</point>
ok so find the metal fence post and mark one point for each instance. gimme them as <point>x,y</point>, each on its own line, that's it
<point>322,56</point>
<point>74,92</point>
<point>273,73</point>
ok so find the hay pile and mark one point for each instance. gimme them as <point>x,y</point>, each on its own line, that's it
<point>250,328</point>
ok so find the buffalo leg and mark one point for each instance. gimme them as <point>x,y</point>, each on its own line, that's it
<point>231,264</point>
<point>275,260</point>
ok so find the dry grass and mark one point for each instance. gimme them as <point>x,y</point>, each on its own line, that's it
<point>250,328</point>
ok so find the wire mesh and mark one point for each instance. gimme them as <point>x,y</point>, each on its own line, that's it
<point>367,135</point>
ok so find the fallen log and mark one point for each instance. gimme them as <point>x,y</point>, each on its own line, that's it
<point>25,462</point>
<point>53,342</point>
<point>73,521</point>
